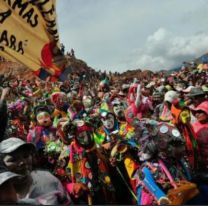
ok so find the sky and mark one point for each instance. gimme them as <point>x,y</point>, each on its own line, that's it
<point>120,35</point>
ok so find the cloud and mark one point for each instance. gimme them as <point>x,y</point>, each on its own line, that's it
<point>165,49</point>
<point>121,35</point>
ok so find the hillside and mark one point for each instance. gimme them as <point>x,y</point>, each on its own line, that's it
<point>16,69</point>
<point>78,66</point>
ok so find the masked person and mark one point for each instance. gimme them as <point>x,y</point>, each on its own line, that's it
<point>44,130</point>
<point>134,101</point>
<point>88,104</point>
<point>103,88</point>
<point>110,125</point>
<point>89,173</point>
<point>38,185</point>
<point>118,109</point>
<point>76,110</point>
<point>42,133</point>
<point>164,169</point>
<point>139,105</point>
<point>58,152</point>
<point>182,120</point>
<point>106,137</point>
<point>60,102</point>
<point>111,128</point>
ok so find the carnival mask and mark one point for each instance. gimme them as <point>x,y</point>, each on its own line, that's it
<point>108,120</point>
<point>118,109</point>
<point>44,119</point>
<point>85,139</point>
<point>84,134</point>
<point>65,131</point>
<point>185,116</point>
<point>59,99</point>
<point>87,101</point>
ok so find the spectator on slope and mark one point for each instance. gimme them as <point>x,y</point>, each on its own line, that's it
<point>201,130</point>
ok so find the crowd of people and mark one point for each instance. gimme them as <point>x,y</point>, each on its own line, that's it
<point>95,140</point>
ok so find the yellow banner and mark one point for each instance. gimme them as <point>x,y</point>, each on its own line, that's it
<point>29,34</point>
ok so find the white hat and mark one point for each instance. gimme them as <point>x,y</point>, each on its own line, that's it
<point>6,175</point>
<point>170,96</point>
<point>150,85</point>
<point>11,144</point>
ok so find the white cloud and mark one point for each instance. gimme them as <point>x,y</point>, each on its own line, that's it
<point>165,49</point>
<point>121,35</point>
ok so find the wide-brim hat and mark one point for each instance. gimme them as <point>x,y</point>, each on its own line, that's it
<point>196,91</point>
<point>151,84</point>
<point>188,89</point>
<point>170,96</point>
<point>179,87</point>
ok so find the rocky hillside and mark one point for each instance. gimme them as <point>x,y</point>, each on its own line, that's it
<point>15,69</point>
<point>76,66</point>
<point>137,73</point>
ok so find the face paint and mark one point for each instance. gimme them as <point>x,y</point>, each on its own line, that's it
<point>44,119</point>
<point>108,121</point>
